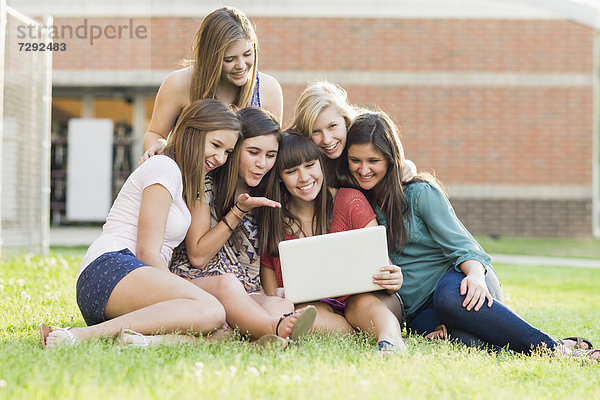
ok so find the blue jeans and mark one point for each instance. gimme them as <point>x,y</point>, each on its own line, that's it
<point>492,327</point>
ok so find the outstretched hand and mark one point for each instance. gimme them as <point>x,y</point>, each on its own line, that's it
<point>247,202</point>
<point>389,278</point>
<point>476,291</point>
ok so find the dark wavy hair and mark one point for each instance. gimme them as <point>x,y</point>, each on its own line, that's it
<point>378,129</point>
<point>294,150</point>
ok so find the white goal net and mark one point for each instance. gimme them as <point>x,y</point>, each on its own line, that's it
<point>25,103</point>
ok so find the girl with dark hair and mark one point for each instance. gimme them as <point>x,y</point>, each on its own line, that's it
<point>447,275</point>
<point>223,237</point>
<point>309,208</point>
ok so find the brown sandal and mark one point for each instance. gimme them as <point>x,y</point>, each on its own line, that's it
<point>579,341</point>
<point>304,323</point>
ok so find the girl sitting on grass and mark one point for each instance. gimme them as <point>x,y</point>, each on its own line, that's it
<point>309,208</point>
<point>444,268</point>
<point>124,282</point>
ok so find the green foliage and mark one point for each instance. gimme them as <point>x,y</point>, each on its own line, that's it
<point>561,301</point>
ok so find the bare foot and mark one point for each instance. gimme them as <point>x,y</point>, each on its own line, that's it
<point>296,324</point>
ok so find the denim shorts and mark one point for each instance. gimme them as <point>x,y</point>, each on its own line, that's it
<point>98,280</point>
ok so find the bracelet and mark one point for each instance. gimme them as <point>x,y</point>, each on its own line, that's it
<point>224,220</point>
<point>239,208</point>
<point>237,214</point>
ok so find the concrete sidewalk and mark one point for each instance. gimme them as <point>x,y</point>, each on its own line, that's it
<point>548,261</point>
<point>77,236</point>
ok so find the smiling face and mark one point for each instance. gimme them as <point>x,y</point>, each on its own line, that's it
<point>218,145</point>
<point>257,157</point>
<point>329,132</point>
<point>237,62</point>
<point>303,181</point>
<point>367,165</point>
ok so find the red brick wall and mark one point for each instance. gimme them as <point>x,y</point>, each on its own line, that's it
<point>468,135</point>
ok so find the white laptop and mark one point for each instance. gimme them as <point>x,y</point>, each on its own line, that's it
<point>332,265</point>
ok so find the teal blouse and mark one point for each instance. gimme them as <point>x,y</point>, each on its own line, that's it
<point>437,241</point>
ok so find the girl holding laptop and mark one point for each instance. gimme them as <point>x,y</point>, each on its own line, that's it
<point>444,268</point>
<point>309,208</point>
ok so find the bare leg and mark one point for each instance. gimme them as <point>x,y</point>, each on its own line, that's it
<point>150,300</point>
<point>152,340</point>
<point>368,313</point>
<point>275,306</point>
<point>243,312</point>
<point>329,321</point>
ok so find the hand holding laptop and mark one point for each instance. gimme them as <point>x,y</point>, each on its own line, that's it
<point>389,278</point>
<point>337,264</point>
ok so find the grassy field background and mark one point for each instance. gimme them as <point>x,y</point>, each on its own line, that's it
<point>560,301</point>
<point>547,247</point>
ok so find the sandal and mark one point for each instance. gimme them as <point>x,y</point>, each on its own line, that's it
<point>304,323</point>
<point>439,333</point>
<point>579,341</point>
<point>271,341</point>
<point>122,340</point>
<point>45,331</point>
<point>585,354</point>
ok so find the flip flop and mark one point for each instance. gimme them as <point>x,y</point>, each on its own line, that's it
<point>271,341</point>
<point>579,341</point>
<point>128,332</point>
<point>45,331</point>
<point>304,323</point>
<point>583,354</point>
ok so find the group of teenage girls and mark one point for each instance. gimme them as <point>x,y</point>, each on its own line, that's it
<point>189,248</point>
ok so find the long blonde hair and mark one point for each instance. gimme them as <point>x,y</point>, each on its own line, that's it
<point>187,141</point>
<point>217,32</point>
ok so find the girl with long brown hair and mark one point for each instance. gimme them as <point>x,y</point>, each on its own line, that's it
<point>224,67</point>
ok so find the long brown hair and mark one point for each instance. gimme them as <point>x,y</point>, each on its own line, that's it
<point>378,129</point>
<point>255,122</point>
<point>186,143</point>
<point>294,150</point>
<point>217,32</point>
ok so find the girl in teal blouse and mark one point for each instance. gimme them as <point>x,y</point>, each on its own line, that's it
<point>447,279</point>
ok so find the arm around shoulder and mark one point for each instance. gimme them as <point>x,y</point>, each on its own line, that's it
<point>171,98</point>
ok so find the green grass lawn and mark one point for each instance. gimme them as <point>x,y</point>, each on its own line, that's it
<point>561,301</point>
<point>548,247</point>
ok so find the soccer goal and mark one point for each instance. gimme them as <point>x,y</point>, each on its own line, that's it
<point>25,107</point>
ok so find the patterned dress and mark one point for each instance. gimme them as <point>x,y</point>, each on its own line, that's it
<point>243,260</point>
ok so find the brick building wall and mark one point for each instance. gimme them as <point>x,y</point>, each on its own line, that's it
<point>503,110</point>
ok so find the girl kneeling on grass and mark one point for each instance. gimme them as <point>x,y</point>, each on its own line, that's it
<point>124,282</point>
<point>309,208</point>
<point>444,267</point>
